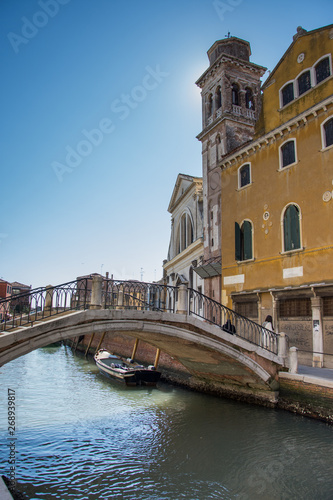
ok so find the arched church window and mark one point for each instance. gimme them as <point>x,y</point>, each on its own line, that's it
<point>235,94</point>
<point>209,105</point>
<point>218,97</point>
<point>185,233</point>
<point>249,100</point>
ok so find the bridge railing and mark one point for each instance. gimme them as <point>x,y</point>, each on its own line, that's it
<point>231,322</point>
<point>44,302</point>
<point>118,294</point>
<point>96,292</point>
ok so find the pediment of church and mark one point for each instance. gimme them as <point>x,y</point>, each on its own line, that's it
<point>182,186</point>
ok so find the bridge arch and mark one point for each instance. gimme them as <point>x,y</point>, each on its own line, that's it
<point>211,355</point>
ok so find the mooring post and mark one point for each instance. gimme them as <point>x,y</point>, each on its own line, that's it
<point>90,342</point>
<point>182,300</point>
<point>96,293</point>
<point>282,345</point>
<point>100,342</point>
<point>135,348</point>
<point>293,360</point>
<point>157,358</point>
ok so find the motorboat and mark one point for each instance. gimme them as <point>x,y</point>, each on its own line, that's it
<point>125,371</point>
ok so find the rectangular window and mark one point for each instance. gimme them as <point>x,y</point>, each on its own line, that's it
<point>323,70</point>
<point>328,306</point>
<point>247,309</point>
<point>288,153</point>
<point>328,128</point>
<point>244,175</point>
<point>304,82</point>
<point>287,93</point>
<point>294,308</point>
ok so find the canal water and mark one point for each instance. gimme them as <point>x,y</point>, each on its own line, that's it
<point>80,436</point>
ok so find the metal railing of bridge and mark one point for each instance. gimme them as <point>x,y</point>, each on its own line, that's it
<point>44,302</point>
<point>230,321</point>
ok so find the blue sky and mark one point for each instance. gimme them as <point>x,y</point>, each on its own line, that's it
<point>100,112</point>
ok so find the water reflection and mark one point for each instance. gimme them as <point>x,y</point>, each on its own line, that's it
<point>80,436</point>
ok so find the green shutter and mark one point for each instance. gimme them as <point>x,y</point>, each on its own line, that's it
<point>247,240</point>
<point>292,239</point>
<point>238,253</point>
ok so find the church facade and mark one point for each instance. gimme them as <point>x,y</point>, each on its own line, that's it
<point>186,239</point>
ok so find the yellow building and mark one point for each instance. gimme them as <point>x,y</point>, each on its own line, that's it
<point>277,206</point>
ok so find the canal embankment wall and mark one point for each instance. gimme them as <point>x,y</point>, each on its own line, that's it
<point>309,395</point>
<point>304,394</point>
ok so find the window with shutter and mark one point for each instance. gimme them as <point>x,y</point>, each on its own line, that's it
<point>291,229</point>
<point>243,241</point>
<point>238,253</point>
<point>246,231</point>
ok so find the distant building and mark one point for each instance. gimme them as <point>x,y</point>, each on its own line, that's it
<point>19,303</point>
<point>5,293</point>
<point>186,239</point>
<point>277,206</point>
<point>11,290</point>
<point>230,90</point>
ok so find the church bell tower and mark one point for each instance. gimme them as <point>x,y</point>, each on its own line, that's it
<point>231,99</point>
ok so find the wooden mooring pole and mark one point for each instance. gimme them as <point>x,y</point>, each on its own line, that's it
<point>90,342</point>
<point>157,358</point>
<point>100,342</point>
<point>135,348</point>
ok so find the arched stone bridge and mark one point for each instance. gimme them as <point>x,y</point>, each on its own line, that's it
<point>181,322</point>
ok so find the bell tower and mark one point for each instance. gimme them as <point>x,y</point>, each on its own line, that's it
<point>231,101</point>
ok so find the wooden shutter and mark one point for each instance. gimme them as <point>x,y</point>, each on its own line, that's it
<point>247,240</point>
<point>238,250</point>
<point>292,239</point>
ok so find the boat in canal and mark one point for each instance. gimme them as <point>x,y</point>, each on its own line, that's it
<point>125,371</point>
